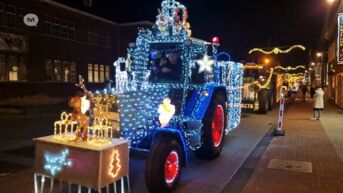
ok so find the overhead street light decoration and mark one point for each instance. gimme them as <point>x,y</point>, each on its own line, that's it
<point>289,68</point>
<point>277,50</point>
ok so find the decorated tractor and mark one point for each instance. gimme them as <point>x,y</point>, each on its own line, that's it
<point>172,96</point>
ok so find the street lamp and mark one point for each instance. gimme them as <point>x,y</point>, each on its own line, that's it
<point>319,54</point>
<point>330,1</point>
<point>266,61</point>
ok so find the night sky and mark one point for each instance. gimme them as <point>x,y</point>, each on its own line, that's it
<point>240,24</point>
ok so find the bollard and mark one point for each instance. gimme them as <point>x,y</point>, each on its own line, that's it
<point>279,131</point>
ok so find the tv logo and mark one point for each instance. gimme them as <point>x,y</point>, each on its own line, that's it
<point>31,20</point>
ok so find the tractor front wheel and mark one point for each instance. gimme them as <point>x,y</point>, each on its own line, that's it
<point>163,167</point>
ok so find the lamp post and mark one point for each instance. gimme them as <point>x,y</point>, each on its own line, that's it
<point>323,68</point>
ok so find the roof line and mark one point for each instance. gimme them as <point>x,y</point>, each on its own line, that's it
<point>78,11</point>
<point>146,22</point>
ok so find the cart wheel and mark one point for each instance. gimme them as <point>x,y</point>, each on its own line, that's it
<point>163,167</point>
<point>214,124</point>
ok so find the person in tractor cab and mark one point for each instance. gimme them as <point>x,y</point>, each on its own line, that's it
<point>171,71</point>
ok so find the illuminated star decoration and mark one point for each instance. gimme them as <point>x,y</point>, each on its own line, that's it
<point>54,163</point>
<point>205,64</point>
<point>277,50</point>
<point>114,160</point>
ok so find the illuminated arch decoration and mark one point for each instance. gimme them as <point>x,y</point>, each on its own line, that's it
<point>115,165</point>
<point>277,50</point>
<point>54,163</point>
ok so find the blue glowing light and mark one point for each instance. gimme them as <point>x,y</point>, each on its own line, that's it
<point>54,163</point>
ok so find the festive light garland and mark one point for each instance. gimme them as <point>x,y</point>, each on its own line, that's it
<point>289,68</point>
<point>277,50</point>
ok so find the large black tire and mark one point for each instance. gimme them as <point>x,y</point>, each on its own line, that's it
<point>156,166</point>
<point>209,150</point>
<point>271,100</point>
<point>263,102</point>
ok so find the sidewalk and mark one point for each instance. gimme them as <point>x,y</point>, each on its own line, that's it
<point>305,160</point>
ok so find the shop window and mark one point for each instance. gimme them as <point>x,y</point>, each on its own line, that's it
<point>72,72</point>
<point>102,73</point>
<point>65,71</point>
<point>107,72</point>
<point>96,73</point>
<point>60,71</point>
<point>22,70</point>
<point>57,70</point>
<point>49,70</point>
<point>90,72</point>
<point>2,67</point>
<point>12,62</point>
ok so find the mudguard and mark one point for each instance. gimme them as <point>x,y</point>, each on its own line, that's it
<point>161,133</point>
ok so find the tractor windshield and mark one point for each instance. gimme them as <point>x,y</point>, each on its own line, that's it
<point>165,63</point>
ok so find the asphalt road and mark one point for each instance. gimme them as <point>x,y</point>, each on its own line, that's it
<point>17,155</point>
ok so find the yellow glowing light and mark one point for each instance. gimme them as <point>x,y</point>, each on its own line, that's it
<point>277,50</point>
<point>288,68</point>
<point>253,67</point>
<point>166,111</point>
<point>266,61</point>
<point>64,128</point>
<point>114,164</point>
<point>85,104</point>
<point>266,84</point>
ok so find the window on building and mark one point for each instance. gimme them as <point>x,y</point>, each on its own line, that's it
<point>71,30</point>
<point>57,70</point>
<point>47,24</point>
<point>88,3</point>
<point>65,71</point>
<point>21,13</point>
<point>60,71</point>
<point>11,14</point>
<point>3,74</point>
<point>95,36</point>
<point>64,29</point>
<point>12,68</point>
<point>90,35</point>
<point>107,42</point>
<point>107,72</point>
<point>102,73</point>
<point>55,26</point>
<point>90,72</point>
<point>72,73</point>
<point>2,13</point>
<point>49,70</point>
<point>22,70</point>
<point>96,73</point>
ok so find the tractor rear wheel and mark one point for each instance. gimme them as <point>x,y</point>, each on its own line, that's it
<point>213,130</point>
